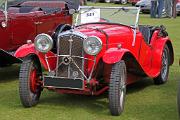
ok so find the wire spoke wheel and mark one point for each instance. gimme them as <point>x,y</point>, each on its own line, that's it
<point>163,76</point>
<point>117,88</point>
<point>30,82</point>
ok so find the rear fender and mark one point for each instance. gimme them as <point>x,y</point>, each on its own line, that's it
<point>157,54</point>
<point>114,55</point>
<point>29,49</point>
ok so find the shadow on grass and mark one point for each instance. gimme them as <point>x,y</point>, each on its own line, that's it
<point>9,73</point>
<point>92,104</point>
<point>139,85</point>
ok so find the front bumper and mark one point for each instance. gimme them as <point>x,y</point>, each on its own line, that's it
<point>64,83</point>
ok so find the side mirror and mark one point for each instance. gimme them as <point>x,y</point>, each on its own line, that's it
<point>72,11</point>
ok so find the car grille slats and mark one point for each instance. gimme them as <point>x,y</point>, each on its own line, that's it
<point>71,46</point>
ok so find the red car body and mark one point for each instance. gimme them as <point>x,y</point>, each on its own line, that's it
<point>133,2</point>
<point>142,58</point>
<point>27,19</point>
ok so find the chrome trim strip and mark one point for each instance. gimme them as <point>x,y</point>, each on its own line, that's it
<point>135,28</point>
<point>90,76</point>
<point>64,87</point>
<point>46,59</point>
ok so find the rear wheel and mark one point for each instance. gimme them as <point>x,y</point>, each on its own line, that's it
<point>30,82</point>
<point>117,88</point>
<point>163,76</point>
<point>124,1</point>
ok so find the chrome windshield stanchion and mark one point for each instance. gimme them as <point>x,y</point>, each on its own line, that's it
<point>90,76</point>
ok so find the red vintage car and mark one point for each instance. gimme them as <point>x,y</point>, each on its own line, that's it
<point>105,50</point>
<point>22,20</point>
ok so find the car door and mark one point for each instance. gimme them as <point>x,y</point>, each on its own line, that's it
<point>5,33</point>
<point>48,22</point>
<point>145,56</point>
<point>23,27</point>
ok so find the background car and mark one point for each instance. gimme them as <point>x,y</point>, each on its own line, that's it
<point>22,20</point>
<point>121,1</point>
<point>106,50</point>
<point>133,2</point>
<point>178,7</point>
<point>145,6</point>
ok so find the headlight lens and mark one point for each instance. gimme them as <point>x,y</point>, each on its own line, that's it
<point>43,43</point>
<point>92,45</point>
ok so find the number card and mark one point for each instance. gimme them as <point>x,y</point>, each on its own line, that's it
<point>90,16</point>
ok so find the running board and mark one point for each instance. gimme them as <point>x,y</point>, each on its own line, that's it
<point>8,58</point>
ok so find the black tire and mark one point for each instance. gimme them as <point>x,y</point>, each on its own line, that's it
<point>29,97</point>
<point>178,99</point>
<point>117,88</point>
<point>163,76</point>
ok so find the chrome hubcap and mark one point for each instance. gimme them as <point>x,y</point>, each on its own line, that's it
<point>122,89</point>
<point>164,65</point>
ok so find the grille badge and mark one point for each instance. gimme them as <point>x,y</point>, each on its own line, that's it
<point>70,40</point>
<point>66,60</point>
<point>75,74</point>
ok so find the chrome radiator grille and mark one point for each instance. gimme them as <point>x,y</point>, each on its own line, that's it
<point>70,47</point>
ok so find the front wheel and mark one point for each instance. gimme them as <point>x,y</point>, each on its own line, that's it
<point>163,76</point>
<point>29,82</point>
<point>117,88</point>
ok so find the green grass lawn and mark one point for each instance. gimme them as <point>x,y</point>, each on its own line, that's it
<point>144,100</point>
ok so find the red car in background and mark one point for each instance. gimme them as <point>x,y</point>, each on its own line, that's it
<point>133,2</point>
<point>22,20</point>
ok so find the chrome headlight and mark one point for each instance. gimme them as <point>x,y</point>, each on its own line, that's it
<point>92,45</point>
<point>43,43</point>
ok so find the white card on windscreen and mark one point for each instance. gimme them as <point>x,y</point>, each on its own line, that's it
<point>89,16</point>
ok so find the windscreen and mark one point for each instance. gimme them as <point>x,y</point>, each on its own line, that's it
<point>2,5</point>
<point>122,15</point>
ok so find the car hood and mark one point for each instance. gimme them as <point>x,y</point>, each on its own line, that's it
<point>112,31</point>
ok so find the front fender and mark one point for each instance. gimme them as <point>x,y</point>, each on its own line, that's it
<point>114,55</point>
<point>29,49</point>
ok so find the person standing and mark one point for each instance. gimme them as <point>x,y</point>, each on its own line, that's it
<point>174,14</point>
<point>168,8</point>
<point>153,8</point>
<point>160,8</point>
